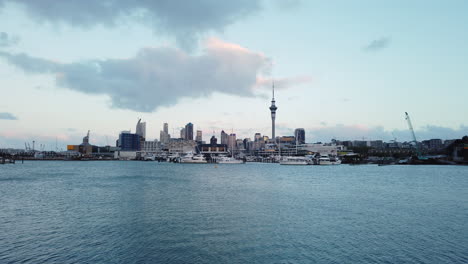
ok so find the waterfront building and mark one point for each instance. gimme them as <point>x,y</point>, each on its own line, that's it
<point>128,141</point>
<point>199,137</point>
<point>151,146</point>
<point>177,145</point>
<point>323,149</point>
<point>299,134</point>
<point>273,109</point>
<point>189,131</point>
<point>224,137</point>
<point>376,144</point>
<point>213,149</point>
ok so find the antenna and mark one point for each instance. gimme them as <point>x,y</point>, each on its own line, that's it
<point>273,81</point>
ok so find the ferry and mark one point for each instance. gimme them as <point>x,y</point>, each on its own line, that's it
<point>228,160</point>
<point>326,160</point>
<point>291,160</point>
<point>190,158</point>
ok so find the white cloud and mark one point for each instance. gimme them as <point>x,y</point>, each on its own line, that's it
<point>158,77</point>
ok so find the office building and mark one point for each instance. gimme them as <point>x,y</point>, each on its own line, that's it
<point>299,134</point>
<point>224,138</point>
<point>189,131</point>
<point>199,137</point>
<point>182,133</point>
<point>128,141</point>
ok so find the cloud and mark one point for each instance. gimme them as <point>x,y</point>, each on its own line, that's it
<point>157,77</point>
<point>7,40</point>
<point>186,20</point>
<point>377,44</point>
<point>7,116</point>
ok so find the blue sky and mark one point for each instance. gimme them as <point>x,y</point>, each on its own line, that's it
<point>346,70</point>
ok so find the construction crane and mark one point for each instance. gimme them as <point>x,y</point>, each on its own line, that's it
<point>410,125</point>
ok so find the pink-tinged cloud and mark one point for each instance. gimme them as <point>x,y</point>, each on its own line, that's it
<point>157,77</point>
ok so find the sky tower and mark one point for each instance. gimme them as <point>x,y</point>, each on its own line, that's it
<point>273,113</point>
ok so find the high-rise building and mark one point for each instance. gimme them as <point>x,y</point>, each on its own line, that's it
<point>128,141</point>
<point>232,141</point>
<point>141,129</point>
<point>224,137</point>
<point>199,136</point>
<point>164,136</point>
<point>273,114</point>
<point>189,131</point>
<point>182,133</point>
<point>213,140</point>
<point>299,134</point>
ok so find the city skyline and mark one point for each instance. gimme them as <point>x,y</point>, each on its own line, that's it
<point>100,71</point>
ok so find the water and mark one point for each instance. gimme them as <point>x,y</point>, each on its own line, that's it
<point>149,212</point>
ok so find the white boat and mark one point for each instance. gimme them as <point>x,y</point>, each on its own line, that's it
<point>228,160</point>
<point>190,158</point>
<point>326,160</point>
<point>291,160</point>
<point>149,157</point>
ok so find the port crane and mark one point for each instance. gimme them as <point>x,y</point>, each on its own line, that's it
<point>410,125</point>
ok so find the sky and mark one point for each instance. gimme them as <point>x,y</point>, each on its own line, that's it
<point>342,69</point>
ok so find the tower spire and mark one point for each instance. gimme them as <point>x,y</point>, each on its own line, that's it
<point>273,111</point>
<point>273,89</point>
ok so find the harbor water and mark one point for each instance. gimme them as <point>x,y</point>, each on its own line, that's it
<point>150,212</point>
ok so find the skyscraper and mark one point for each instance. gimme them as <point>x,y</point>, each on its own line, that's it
<point>141,129</point>
<point>299,134</point>
<point>199,136</point>
<point>182,133</point>
<point>224,138</point>
<point>164,134</point>
<point>189,131</point>
<point>273,113</point>
<point>232,141</point>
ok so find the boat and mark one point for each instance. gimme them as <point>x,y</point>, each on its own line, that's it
<point>149,157</point>
<point>228,160</point>
<point>191,158</point>
<point>326,160</point>
<point>292,160</point>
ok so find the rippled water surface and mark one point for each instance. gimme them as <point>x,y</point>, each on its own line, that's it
<point>149,212</point>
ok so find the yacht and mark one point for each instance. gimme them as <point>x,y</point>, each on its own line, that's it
<point>149,157</point>
<point>228,160</point>
<point>191,158</point>
<point>291,160</point>
<point>326,160</point>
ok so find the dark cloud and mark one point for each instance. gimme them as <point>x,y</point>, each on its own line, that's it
<point>185,20</point>
<point>377,44</point>
<point>7,116</point>
<point>157,77</point>
<point>7,40</point>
